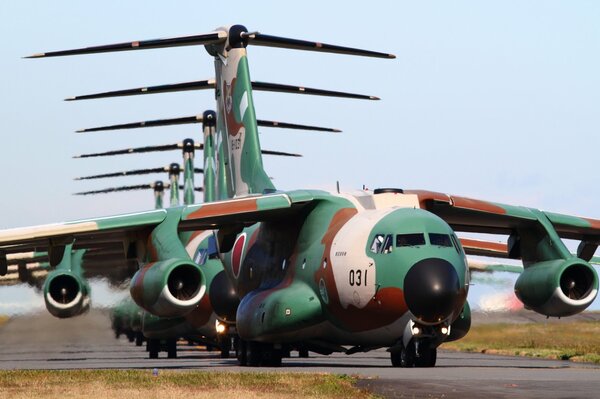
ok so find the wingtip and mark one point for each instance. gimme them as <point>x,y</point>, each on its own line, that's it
<point>36,55</point>
<point>76,156</point>
<point>70,99</point>
<point>336,130</point>
<point>374,98</point>
<point>81,131</point>
<point>391,56</point>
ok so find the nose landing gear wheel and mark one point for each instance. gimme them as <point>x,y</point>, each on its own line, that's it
<point>405,357</point>
<point>427,357</point>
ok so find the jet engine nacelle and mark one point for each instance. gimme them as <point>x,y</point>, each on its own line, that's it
<point>168,288</point>
<point>557,288</point>
<point>66,294</point>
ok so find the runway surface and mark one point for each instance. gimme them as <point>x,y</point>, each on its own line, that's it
<point>42,342</point>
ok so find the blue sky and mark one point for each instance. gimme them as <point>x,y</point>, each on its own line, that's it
<point>493,100</point>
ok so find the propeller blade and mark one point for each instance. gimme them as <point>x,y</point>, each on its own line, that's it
<point>154,123</point>
<point>202,39</point>
<point>138,150</point>
<point>186,86</point>
<point>286,125</point>
<point>117,189</point>
<point>281,88</point>
<point>126,173</point>
<point>258,39</point>
<point>209,84</point>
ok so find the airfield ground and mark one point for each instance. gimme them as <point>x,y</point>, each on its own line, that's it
<point>41,342</point>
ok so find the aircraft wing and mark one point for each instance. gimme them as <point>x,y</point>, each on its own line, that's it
<point>95,233</point>
<point>471,215</point>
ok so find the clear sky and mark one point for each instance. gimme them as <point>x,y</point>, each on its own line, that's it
<point>493,100</point>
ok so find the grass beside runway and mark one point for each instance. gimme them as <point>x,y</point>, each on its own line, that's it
<point>134,384</point>
<point>577,341</point>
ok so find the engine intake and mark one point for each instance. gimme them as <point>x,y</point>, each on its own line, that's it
<point>558,288</point>
<point>168,288</point>
<point>66,294</point>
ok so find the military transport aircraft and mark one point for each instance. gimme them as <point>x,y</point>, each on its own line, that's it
<point>329,271</point>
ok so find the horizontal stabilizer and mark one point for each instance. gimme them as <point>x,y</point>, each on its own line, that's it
<point>169,147</point>
<point>130,188</point>
<point>152,148</point>
<point>258,39</point>
<point>133,173</point>
<point>198,119</point>
<point>210,84</point>
<point>202,39</point>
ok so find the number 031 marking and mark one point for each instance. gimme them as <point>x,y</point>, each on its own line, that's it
<point>357,277</point>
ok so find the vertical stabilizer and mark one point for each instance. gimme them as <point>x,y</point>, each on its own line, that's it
<point>209,121</point>
<point>174,171</point>
<point>237,128</point>
<point>188,172</point>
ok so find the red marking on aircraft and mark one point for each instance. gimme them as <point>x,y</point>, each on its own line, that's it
<point>237,253</point>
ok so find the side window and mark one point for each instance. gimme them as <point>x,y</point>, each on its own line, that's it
<point>377,243</point>
<point>388,244</point>
<point>382,243</point>
<point>441,240</point>
<point>456,244</point>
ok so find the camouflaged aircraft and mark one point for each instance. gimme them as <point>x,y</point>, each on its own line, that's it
<point>326,271</point>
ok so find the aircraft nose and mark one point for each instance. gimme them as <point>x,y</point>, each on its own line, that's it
<point>432,290</point>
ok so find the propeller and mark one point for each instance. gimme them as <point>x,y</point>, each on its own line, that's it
<point>198,119</point>
<point>233,36</point>
<point>137,172</point>
<point>152,186</point>
<point>211,83</point>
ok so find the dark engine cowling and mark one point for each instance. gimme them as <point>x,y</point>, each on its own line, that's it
<point>223,297</point>
<point>168,288</point>
<point>558,288</point>
<point>66,294</point>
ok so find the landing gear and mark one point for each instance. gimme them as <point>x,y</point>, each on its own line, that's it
<point>154,346</point>
<point>408,356</point>
<point>256,354</point>
<point>139,339</point>
<point>225,345</point>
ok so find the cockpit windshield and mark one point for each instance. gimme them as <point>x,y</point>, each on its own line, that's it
<point>410,240</point>
<point>441,240</point>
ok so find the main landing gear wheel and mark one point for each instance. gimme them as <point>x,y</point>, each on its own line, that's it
<point>153,347</point>
<point>225,344</point>
<point>139,339</point>
<point>405,357</point>
<point>427,357</point>
<point>172,348</point>
<point>257,354</point>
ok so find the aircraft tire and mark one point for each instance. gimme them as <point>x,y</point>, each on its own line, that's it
<point>172,348</point>
<point>139,339</point>
<point>254,353</point>
<point>271,357</point>
<point>303,353</point>
<point>241,353</point>
<point>395,356</point>
<point>225,347</point>
<point>407,356</point>
<point>153,348</point>
<point>427,358</point>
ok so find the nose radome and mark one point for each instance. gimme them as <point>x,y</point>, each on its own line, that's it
<point>432,290</point>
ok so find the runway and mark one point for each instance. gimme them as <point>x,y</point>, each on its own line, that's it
<point>42,342</point>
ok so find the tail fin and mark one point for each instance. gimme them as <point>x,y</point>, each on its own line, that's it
<point>209,121</point>
<point>237,130</point>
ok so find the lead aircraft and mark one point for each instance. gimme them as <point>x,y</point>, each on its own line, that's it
<point>325,271</point>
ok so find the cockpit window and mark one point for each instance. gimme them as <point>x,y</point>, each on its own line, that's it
<point>441,240</point>
<point>377,243</point>
<point>455,242</point>
<point>410,240</point>
<point>382,243</point>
